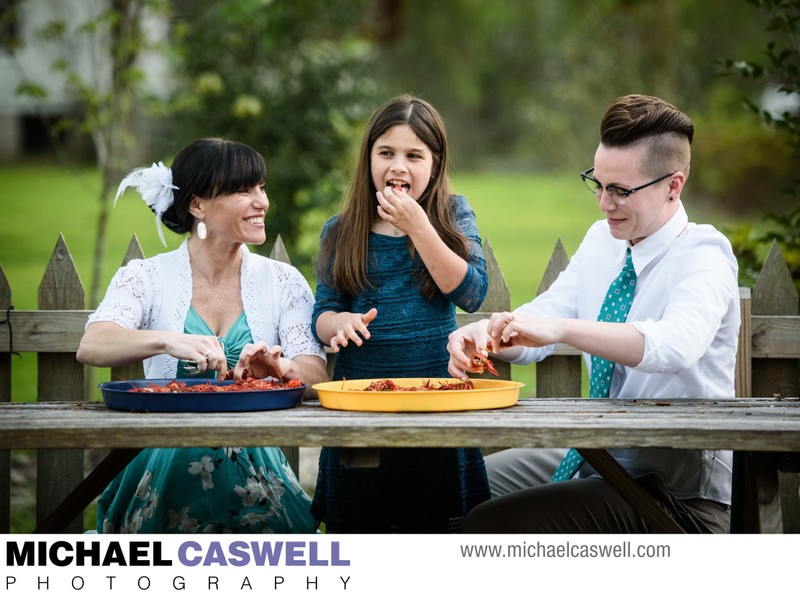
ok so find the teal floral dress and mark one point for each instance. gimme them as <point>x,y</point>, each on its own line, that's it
<point>207,490</point>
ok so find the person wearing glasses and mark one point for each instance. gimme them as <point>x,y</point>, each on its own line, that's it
<point>672,332</point>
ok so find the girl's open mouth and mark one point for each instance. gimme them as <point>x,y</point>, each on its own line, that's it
<point>399,185</point>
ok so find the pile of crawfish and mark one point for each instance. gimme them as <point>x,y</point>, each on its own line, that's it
<point>480,364</point>
<point>249,384</point>
<point>390,386</point>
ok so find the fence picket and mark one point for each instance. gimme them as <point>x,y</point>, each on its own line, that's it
<point>776,294</point>
<point>557,375</point>
<point>60,377</point>
<point>279,251</point>
<point>292,453</point>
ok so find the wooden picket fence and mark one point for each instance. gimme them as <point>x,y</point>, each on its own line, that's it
<point>767,362</point>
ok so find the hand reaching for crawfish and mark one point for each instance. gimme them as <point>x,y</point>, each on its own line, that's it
<point>469,350</point>
<point>258,361</point>
<point>509,330</point>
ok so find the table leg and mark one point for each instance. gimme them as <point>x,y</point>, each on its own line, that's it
<point>87,490</point>
<point>755,498</point>
<point>655,516</point>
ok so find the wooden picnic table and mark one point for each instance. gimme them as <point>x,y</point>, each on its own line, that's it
<point>765,429</point>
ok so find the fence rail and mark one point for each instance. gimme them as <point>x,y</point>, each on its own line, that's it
<point>767,361</point>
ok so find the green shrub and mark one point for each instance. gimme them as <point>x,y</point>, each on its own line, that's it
<point>740,166</point>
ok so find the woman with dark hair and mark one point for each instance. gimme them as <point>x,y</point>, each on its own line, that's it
<point>393,266</point>
<point>209,307</point>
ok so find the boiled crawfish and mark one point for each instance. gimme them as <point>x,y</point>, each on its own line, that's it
<point>383,385</point>
<point>388,385</point>
<point>251,384</point>
<point>460,385</point>
<point>481,362</point>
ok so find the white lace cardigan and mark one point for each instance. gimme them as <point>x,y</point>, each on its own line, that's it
<point>155,293</point>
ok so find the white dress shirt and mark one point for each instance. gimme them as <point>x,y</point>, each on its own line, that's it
<point>686,305</point>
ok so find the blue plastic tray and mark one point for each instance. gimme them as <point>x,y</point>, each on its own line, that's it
<point>118,395</point>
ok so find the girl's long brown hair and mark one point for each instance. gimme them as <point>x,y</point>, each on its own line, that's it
<point>344,250</point>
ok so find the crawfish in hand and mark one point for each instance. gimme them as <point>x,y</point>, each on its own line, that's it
<point>482,363</point>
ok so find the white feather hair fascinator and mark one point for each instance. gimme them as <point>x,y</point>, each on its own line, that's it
<point>154,183</point>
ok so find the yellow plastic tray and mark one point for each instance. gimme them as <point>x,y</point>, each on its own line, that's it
<point>349,395</point>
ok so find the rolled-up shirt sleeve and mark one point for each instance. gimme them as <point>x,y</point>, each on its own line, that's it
<point>700,300</point>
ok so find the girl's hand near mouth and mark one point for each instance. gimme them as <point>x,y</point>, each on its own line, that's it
<point>400,210</point>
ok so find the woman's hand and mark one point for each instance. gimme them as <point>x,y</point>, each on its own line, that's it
<point>106,344</point>
<point>205,351</point>
<point>258,361</point>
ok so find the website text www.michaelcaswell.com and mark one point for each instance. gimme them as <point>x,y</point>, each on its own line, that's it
<point>566,549</point>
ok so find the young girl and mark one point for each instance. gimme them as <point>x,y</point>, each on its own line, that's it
<point>215,305</point>
<point>393,265</point>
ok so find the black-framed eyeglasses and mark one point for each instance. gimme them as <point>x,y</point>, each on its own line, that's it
<point>620,196</point>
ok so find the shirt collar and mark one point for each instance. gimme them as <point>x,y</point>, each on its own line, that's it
<point>655,244</point>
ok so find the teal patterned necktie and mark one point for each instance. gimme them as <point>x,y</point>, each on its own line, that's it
<point>615,308</point>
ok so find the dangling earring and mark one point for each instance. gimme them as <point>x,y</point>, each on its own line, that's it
<point>202,232</point>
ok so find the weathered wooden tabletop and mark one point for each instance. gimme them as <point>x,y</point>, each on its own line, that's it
<point>736,424</point>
